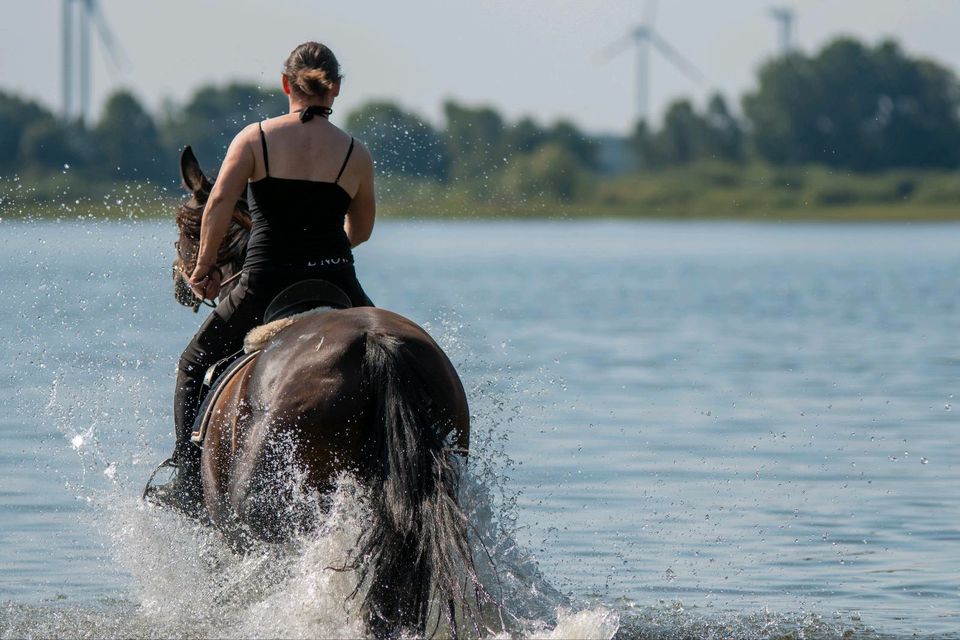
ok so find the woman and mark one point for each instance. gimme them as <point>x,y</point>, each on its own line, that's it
<point>311,200</point>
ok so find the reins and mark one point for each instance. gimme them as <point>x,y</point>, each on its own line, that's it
<point>205,301</point>
<point>231,251</point>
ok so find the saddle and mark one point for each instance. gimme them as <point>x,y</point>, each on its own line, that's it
<point>299,298</point>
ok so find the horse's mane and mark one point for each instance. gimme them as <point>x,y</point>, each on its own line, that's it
<point>232,248</point>
<point>188,219</point>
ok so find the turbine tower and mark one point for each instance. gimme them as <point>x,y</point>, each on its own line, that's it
<point>78,18</point>
<point>784,16</point>
<point>643,36</point>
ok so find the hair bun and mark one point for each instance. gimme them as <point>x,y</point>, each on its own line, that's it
<point>313,81</point>
<point>312,69</point>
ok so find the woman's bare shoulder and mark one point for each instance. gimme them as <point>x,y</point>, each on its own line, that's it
<point>249,131</point>
<point>361,151</point>
<point>282,121</point>
<point>247,135</point>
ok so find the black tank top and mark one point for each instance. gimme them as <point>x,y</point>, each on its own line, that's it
<point>297,223</point>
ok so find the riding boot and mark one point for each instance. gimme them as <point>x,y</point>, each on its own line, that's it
<point>184,491</point>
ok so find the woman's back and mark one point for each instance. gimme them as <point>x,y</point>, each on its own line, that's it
<point>300,192</point>
<point>314,150</point>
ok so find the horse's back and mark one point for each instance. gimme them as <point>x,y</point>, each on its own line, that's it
<point>316,364</point>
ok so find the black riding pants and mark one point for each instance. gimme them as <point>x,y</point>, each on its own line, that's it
<point>223,331</point>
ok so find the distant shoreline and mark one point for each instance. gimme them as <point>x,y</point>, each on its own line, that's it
<point>707,191</point>
<point>435,212</point>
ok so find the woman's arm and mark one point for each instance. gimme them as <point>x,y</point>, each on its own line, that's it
<point>363,208</point>
<point>237,168</point>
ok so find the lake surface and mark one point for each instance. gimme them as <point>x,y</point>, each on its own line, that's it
<point>684,430</point>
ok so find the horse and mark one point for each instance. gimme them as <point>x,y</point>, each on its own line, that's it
<point>358,390</point>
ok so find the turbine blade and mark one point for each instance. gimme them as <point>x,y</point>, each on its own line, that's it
<point>649,13</point>
<point>676,58</point>
<point>110,43</point>
<point>614,49</point>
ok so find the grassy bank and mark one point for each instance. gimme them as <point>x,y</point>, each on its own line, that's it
<point>709,191</point>
<point>74,195</point>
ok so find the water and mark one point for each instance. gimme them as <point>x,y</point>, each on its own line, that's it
<point>691,430</point>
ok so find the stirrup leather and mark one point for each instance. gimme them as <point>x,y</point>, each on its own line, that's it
<point>206,408</point>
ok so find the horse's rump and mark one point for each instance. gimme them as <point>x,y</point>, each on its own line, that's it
<point>365,391</point>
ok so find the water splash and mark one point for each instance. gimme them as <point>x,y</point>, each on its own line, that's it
<point>186,581</point>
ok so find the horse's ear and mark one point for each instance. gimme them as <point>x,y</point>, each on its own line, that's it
<point>193,178</point>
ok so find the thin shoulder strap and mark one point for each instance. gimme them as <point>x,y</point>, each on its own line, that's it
<point>345,161</point>
<point>263,143</point>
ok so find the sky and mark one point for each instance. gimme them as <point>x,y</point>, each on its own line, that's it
<point>525,57</point>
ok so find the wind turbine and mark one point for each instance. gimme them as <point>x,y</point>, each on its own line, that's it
<point>784,16</point>
<point>78,17</point>
<point>643,36</point>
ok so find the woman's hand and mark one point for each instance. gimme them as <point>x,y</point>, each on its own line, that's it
<point>205,281</point>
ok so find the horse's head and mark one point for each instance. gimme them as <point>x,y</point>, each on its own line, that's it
<point>233,248</point>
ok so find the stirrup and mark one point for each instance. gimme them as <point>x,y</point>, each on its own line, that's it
<point>182,493</point>
<point>169,462</point>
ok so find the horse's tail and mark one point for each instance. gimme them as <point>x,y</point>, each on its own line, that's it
<point>417,543</point>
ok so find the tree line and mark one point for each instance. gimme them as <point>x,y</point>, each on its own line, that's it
<point>849,106</point>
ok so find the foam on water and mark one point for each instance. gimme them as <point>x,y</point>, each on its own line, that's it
<point>188,582</point>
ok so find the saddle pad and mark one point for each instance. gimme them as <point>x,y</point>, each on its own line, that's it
<point>206,409</point>
<point>258,337</point>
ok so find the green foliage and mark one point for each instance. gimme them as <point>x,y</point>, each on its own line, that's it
<point>525,136</point>
<point>475,140</point>
<point>856,107</point>
<point>683,137</point>
<point>565,135</point>
<point>44,146</point>
<point>688,136</point>
<point>214,115</point>
<point>552,171</point>
<point>521,159</point>
<point>724,133</point>
<point>17,116</point>
<point>127,139</point>
<point>718,189</point>
<point>644,147</point>
<point>400,142</point>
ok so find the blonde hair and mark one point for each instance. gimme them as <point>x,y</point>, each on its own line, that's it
<point>312,69</point>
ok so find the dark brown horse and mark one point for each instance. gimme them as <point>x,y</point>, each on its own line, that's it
<point>364,391</point>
